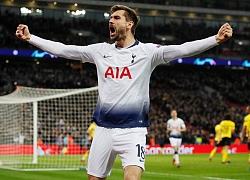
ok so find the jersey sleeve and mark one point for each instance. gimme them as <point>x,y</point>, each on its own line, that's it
<point>91,127</point>
<point>155,52</point>
<point>246,120</point>
<point>166,53</point>
<point>168,123</point>
<point>188,49</point>
<point>73,52</point>
<point>245,123</point>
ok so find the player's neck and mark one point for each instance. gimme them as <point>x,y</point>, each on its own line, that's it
<point>128,41</point>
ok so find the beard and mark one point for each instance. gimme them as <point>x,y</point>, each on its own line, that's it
<point>119,35</point>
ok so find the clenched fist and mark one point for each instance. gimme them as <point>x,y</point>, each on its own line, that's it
<point>22,32</point>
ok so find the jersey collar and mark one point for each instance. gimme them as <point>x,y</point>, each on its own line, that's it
<point>136,43</point>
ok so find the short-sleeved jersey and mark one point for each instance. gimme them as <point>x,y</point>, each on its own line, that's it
<point>227,127</point>
<point>176,125</point>
<point>123,75</point>
<point>217,129</point>
<point>91,130</point>
<point>247,125</point>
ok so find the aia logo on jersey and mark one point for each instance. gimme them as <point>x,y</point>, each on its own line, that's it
<point>118,72</point>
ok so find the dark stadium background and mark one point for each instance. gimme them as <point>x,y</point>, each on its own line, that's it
<point>201,94</point>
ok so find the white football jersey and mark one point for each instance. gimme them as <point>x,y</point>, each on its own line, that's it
<point>176,126</point>
<point>123,75</point>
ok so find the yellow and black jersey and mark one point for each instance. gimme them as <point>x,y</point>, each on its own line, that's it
<point>227,128</point>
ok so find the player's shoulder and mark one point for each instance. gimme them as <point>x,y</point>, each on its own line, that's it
<point>247,118</point>
<point>153,45</point>
<point>149,46</point>
<point>179,120</point>
<point>102,46</point>
<point>227,123</point>
<point>223,122</point>
<point>169,120</point>
<point>230,122</point>
<point>218,126</point>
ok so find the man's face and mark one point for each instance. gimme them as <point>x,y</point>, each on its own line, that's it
<point>174,114</point>
<point>117,25</point>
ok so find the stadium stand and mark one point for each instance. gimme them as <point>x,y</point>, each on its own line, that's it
<point>201,94</point>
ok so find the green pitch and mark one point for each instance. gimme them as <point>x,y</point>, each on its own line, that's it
<point>158,167</point>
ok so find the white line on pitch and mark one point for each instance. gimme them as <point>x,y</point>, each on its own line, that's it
<point>182,175</point>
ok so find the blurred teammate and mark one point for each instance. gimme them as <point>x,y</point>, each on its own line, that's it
<point>90,132</point>
<point>225,136</point>
<point>246,130</point>
<point>124,69</point>
<point>175,126</point>
<point>217,129</point>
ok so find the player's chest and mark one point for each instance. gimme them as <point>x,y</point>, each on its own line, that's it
<point>122,64</point>
<point>120,58</point>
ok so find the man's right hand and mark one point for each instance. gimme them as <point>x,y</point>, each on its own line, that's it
<point>22,32</point>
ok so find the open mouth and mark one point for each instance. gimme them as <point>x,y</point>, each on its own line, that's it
<point>112,30</point>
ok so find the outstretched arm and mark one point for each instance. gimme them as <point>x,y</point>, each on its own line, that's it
<point>52,47</point>
<point>192,48</point>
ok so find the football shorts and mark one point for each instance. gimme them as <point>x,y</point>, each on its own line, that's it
<point>128,143</point>
<point>175,141</point>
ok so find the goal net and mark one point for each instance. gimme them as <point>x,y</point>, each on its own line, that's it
<point>45,129</point>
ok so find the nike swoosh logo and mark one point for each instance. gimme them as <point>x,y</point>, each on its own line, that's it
<point>104,56</point>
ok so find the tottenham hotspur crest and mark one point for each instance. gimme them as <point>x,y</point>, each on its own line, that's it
<point>133,56</point>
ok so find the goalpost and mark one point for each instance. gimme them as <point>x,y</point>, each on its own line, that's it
<point>45,129</point>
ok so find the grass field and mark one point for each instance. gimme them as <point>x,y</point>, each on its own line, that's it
<point>158,167</point>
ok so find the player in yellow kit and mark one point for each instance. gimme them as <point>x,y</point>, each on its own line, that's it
<point>246,130</point>
<point>90,132</point>
<point>225,136</point>
<point>217,143</point>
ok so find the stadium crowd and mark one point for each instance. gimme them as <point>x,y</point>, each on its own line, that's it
<point>69,33</point>
<point>201,95</point>
<point>215,4</point>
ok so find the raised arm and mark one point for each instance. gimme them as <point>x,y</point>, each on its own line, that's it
<point>192,48</point>
<point>52,47</point>
<point>23,32</point>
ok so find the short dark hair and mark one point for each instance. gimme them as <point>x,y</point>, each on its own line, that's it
<point>129,14</point>
<point>227,117</point>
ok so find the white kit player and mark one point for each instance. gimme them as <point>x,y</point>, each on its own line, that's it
<point>123,70</point>
<point>175,126</point>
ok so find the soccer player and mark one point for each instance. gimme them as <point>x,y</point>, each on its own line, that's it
<point>225,136</point>
<point>217,129</point>
<point>124,69</point>
<point>90,132</point>
<point>246,130</point>
<point>175,126</point>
